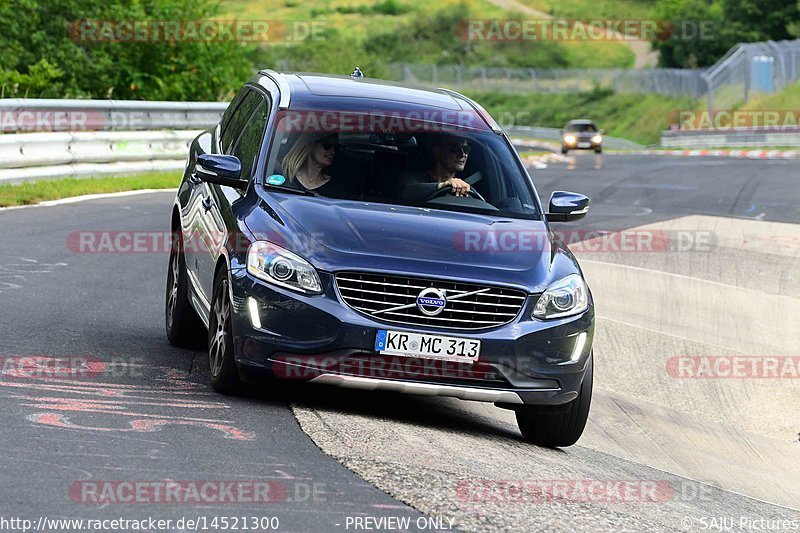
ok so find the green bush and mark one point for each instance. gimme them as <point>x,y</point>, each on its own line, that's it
<point>390,7</point>
<point>44,55</point>
<point>41,78</point>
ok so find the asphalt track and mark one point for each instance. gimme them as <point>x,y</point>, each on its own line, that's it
<point>717,449</point>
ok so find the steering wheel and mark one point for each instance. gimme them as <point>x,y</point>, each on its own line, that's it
<point>447,189</point>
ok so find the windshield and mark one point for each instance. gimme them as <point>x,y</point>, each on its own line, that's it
<point>460,170</point>
<point>580,128</point>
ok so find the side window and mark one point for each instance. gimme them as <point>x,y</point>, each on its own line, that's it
<point>226,116</point>
<point>248,145</point>
<point>238,120</point>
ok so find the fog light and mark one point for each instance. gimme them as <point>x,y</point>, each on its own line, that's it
<point>255,318</point>
<point>580,342</point>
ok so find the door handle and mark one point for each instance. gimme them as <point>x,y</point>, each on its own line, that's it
<point>208,203</point>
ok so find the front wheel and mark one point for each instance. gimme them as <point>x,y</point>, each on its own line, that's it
<point>564,151</point>
<point>598,150</point>
<point>224,372</point>
<point>559,425</point>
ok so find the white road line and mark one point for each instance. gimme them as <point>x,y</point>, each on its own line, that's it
<point>671,274</point>
<point>85,197</point>
<point>683,476</point>
<point>657,332</point>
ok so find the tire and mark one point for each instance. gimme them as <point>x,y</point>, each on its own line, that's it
<point>598,150</point>
<point>564,151</point>
<point>560,425</point>
<point>183,326</point>
<point>221,360</point>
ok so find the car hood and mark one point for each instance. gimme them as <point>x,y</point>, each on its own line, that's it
<point>337,235</point>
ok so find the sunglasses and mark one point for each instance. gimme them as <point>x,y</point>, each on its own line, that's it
<point>327,145</point>
<point>459,149</point>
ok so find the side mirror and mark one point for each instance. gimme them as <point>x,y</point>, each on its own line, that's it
<point>601,132</point>
<point>220,169</point>
<point>567,206</point>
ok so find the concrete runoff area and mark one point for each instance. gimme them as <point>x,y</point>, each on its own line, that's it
<point>731,444</point>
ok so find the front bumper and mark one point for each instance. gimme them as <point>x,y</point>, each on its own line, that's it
<point>321,340</point>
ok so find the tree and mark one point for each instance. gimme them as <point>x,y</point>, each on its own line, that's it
<point>733,21</point>
<point>794,26</point>
<point>684,48</point>
<point>760,20</point>
<point>46,55</point>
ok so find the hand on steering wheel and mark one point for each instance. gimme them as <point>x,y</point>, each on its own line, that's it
<point>448,189</point>
<point>458,186</point>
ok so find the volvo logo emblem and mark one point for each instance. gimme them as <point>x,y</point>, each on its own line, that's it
<point>431,301</point>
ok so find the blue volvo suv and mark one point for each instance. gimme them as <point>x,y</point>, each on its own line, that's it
<point>350,232</point>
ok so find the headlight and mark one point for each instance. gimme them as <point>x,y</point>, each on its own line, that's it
<point>569,139</point>
<point>565,297</point>
<point>597,139</point>
<point>275,265</point>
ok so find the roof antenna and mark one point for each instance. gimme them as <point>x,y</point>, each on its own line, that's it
<point>357,73</point>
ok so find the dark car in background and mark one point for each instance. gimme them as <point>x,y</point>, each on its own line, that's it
<point>367,286</point>
<point>581,134</point>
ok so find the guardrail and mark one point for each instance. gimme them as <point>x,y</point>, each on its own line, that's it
<point>155,136</point>
<point>733,138</point>
<point>97,137</point>
<point>20,115</point>
<point>30,156</point>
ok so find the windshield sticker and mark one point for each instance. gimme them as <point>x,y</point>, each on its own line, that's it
<point>276,179</point>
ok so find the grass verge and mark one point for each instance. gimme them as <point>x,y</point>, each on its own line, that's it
<point>41,191</point>
<point>374,35</point>
<point>638,117</point>
<point>788,99</point>
<point>595,9</point>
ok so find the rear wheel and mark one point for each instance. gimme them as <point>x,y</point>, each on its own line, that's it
<point>224,372</point>
<point>183,326</point>
<point>560,425</point>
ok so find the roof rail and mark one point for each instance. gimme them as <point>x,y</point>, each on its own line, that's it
<point>283,87</point>
<point>492,123</point>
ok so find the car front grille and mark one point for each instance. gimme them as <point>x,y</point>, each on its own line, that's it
<point>394,299</point>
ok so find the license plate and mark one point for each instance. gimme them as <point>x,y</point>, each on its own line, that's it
<point>424,346</point>
<point>584,145</point>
